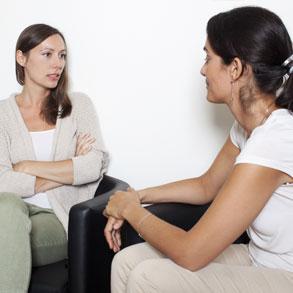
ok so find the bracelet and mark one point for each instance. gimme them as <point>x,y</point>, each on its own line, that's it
<point>140,223</point>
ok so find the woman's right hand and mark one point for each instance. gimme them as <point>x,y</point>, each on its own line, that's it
<point>112,233</point>
<point>84,144</point>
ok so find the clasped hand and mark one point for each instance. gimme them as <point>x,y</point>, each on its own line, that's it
<point>116,209</point>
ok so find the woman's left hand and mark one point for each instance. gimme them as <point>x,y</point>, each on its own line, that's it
<point>120,201</point>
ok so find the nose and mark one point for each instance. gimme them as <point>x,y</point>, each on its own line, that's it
<point>58,62</point>
<point>203,70</point>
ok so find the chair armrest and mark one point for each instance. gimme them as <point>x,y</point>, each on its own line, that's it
<point>88,253</point>
<point>181,215</point>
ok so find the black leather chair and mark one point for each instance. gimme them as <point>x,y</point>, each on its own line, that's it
<point>53,278</point>
<point>89,267</point>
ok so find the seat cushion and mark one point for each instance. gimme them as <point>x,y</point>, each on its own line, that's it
<point>52,278</point>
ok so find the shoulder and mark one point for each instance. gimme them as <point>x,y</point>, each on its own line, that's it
<point>82,105</point>
<point>277,130</point>
<point>6,108</point>
<point>4,103</point>
<point>79,99</point>
<point>271,144</point>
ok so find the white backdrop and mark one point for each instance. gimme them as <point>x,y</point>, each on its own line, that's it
<point>139,61</point>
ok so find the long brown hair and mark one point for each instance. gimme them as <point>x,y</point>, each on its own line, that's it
<point>57,103</point>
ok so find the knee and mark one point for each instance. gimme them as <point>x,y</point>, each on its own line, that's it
<point>144,279</point>
<point>13,211</point>
<point>10,201</point>
<point>119,262</point>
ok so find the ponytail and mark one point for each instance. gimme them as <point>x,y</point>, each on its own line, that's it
<point>285,97</point>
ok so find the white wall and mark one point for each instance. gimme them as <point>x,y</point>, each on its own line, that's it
<point>139,61</point>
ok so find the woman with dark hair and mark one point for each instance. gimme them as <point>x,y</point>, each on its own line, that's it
<point>51,157</point>
<point>248,67</point>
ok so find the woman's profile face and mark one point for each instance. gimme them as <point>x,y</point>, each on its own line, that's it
<point>44,64</point>
<point>218,81</point>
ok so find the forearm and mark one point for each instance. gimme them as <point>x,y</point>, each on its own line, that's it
<point>191,191</point>
<point>15,182</point>
<point>59,171</point>
<point>43,185</point>
<point>168,239</point>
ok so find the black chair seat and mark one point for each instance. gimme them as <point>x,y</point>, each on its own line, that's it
<point>51,278</point>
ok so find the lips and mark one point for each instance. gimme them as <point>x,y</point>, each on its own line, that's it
<point>53,76</point>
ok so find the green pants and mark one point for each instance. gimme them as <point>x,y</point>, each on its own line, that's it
<point>29,236</point>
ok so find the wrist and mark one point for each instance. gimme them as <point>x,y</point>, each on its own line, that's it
<point>28,167</point>
<point>142,195</point>
<point>130,209</point>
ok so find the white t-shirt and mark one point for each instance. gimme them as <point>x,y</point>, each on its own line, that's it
<point>271,145</point>
<point>42,142</point>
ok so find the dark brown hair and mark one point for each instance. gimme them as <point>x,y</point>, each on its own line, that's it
<point>57,103</point>
<point>259,38</point>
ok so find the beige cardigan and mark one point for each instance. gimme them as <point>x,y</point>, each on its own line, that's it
<point>16,145</point>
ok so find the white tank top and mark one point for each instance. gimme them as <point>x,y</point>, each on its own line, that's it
<point>42,143</point>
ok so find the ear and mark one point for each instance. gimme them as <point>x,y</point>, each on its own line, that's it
<point>236,69</point>
<point>20,58</point>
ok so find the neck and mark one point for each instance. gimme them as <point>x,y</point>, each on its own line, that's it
<point>255,115</point>
<point>32,96</point>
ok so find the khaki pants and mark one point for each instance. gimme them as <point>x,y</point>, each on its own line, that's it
<point>29,236</point>
<point>141,268</point>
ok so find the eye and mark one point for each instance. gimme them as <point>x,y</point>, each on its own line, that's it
<point>63,55</point>
<point>47,54</point>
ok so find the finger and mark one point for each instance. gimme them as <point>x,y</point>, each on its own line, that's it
<point>83,137</point>
<point>90,139</point>
<point>108,237</point>
<point>108,232</point>
<point>87,140</point>
<point>118,238</point>
<point>84,149</point>
<point>115,244</point>
<point>118,224</point>
<point>87,143</point>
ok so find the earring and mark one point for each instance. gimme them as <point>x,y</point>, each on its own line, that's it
<point>231,93</point>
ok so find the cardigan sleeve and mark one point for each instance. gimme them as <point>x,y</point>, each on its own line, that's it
<point>90,167</point>
<point>10,181</point>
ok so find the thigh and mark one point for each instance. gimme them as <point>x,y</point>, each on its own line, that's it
<point>48,237</point>
<point>164,276</point>
<point>235,254</point>
<point>15,250</point>
<point>126,260</point>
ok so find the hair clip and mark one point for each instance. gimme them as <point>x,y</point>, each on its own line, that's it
<point>287,61</point>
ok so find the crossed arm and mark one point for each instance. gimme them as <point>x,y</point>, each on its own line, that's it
<point>239,195</point>
<point>52,174</point>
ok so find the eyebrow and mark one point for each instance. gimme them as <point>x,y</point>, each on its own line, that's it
<point>52,50</point>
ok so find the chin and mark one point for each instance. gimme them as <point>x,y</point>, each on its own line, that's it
<point>51,86</point>
<point>211,99</point>
<point>214,100</point>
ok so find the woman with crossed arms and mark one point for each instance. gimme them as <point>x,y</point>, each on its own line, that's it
<point>51,157</point>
